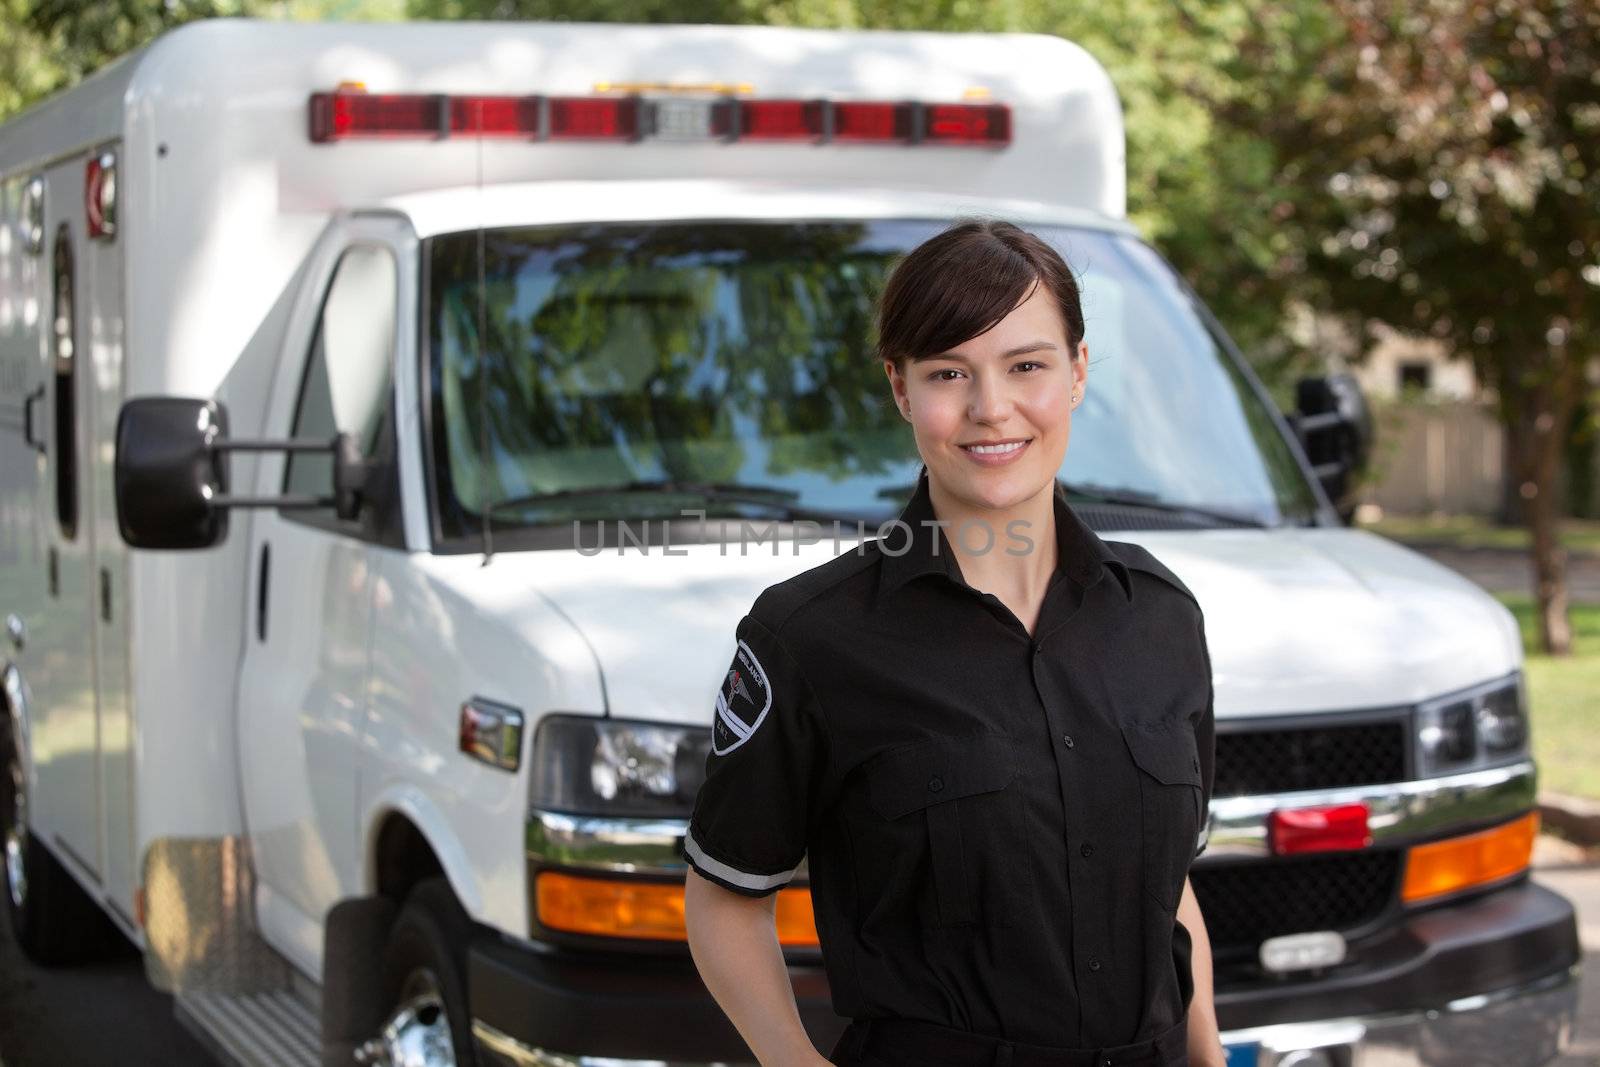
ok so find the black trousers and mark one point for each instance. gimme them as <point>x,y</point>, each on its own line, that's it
<point>915,1043</point>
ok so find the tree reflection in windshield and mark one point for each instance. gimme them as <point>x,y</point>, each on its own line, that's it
<point>740,353</point>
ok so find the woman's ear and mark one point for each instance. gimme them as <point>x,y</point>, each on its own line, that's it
<point>897,386</point>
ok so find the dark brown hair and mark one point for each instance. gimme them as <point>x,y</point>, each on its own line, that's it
<point>961,282</point>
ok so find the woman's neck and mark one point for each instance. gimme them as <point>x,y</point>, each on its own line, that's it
<point>1014,562</point>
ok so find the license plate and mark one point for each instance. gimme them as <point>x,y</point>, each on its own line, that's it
<point>1244,1055</point>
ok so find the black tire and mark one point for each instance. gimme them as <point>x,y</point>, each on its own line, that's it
<point>52,919</point>
<point>429,938</point>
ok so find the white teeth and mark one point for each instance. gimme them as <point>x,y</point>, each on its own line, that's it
<point>995,450</point>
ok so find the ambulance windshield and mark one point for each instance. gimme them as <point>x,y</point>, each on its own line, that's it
<point>635,370</point>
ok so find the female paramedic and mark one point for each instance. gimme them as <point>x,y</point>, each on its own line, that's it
<point>987,731</point>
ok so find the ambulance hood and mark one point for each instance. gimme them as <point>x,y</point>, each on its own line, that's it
<point>1297,619</point>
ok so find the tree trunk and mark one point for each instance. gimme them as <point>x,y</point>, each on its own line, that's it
<point>1542,429</point>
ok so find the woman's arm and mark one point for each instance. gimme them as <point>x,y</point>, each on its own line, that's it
<point>734,942</point>
<point>1205,1042</point>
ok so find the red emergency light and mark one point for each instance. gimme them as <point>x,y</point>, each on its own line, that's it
<point>340,115</point>
<point>871,123</point>
<point>972,124</point>
<point>347,113</point>
<point>781,120</point>
<point>1334,828</point>
<point>495,116</point>
<point>585,118</point>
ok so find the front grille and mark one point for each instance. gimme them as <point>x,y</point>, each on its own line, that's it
<point>1244,904</point>
<point>1254,760</point>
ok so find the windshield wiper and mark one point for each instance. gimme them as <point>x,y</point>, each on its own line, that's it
<point>776,497</point>
<point>1138,498</point>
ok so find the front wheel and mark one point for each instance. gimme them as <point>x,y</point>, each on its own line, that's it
<point>424,985</point>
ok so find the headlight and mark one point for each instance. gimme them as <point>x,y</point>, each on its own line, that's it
<point>1472,728</point>
<point>614,767</point>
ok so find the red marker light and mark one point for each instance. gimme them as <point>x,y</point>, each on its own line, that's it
<point>1328,829</point>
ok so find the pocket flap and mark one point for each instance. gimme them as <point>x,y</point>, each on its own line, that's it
<point>1165,750</point>
<point>905,779</point>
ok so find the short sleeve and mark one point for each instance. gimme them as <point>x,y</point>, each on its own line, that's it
<point>751,815</point>
<point>1205,734</point>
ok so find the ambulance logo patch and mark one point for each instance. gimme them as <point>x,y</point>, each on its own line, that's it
<point>743,701</point>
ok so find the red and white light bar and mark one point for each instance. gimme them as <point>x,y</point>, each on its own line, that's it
<point>345,115</point>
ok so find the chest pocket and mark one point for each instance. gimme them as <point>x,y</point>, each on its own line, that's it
<point>1169,803</point>
<point>956,800</point>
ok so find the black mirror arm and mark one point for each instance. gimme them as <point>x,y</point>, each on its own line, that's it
<point>349,474</point>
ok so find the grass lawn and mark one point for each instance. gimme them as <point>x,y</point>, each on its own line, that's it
<point>1564,695</point>
<point>1469,531</point>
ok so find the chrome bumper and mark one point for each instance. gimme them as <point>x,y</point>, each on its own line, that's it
<point>1526,1026</point>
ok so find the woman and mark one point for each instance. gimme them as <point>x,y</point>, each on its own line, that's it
<point>988,732</point>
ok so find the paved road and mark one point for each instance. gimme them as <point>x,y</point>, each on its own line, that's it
<point>90,1016</point>
<point>107,1014</point>
<point>1502,570</point>
<point>1576,876</point>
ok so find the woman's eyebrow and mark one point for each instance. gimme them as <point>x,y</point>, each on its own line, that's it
<point>1031,346</point>
<point>1020,350</point>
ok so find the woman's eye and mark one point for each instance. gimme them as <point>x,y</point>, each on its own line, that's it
<point>935,375</point>
<point>1030,363</point>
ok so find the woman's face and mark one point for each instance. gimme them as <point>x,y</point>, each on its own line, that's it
<point>1016,386</point>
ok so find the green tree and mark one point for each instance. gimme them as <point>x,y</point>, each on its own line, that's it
<point>1447,184</point>
<point>47,45</point>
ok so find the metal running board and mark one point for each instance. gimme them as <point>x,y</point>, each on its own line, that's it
<point>277,1029</point>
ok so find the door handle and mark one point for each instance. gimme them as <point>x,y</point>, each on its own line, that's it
<point>261,591</point>
<point>105,595</point>
<point>27,420</point>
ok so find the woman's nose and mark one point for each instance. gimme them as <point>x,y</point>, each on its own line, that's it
<point>989,401</point>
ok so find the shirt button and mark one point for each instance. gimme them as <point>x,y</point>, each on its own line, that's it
<point>1066,739</point>
<point>1086,850</point>
<point>935,784</point>
<point>1094,963</point>
<point>1037,650</point>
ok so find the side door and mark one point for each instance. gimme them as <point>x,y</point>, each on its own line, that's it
<point>304,681</point>
<point>65,726</point>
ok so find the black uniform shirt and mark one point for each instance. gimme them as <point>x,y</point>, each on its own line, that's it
<point>996,825</point>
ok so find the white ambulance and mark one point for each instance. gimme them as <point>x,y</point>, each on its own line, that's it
<point>397,419</point>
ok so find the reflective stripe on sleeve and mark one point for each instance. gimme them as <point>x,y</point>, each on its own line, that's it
<point>732,874</point>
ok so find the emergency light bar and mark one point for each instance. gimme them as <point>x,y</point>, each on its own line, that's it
<point>346,115</point>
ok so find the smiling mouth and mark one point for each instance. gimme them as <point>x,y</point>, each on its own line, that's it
<point>1000,449</point>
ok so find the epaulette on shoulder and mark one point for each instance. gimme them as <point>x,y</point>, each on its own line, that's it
<point>1139,558</point>
<point>781,600</point>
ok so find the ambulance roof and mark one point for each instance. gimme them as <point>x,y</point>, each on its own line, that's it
<point>236,92</point>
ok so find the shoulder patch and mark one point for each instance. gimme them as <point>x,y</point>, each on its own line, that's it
<point>742,702</point>
<point>1139,558</point>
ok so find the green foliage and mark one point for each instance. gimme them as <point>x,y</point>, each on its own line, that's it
<point>48,45</point>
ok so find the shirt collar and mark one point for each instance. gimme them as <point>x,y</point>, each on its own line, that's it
<point>1080,552</point>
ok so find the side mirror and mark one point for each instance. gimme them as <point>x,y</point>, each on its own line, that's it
<point>171,473</point>
<point>1334,425</point>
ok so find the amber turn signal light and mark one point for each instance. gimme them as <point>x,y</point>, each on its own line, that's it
<point>1462,862</point>
<point>614,907</point>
